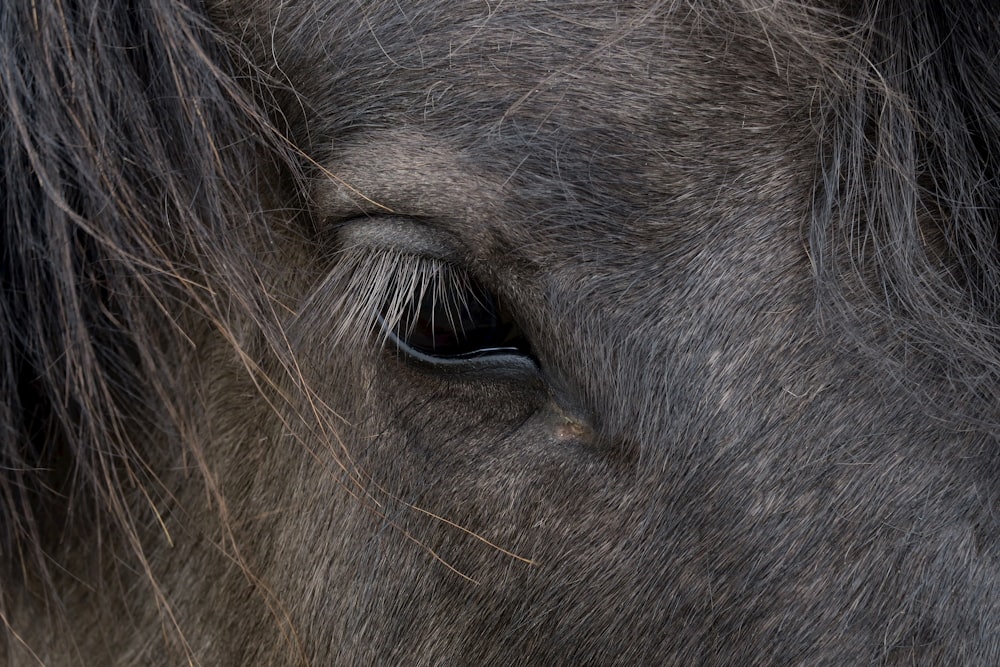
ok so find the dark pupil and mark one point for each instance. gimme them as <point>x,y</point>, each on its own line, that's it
<point>445,324</point>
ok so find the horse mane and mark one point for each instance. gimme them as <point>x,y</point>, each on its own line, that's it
<point>906,229</point>
<point>127,150</point>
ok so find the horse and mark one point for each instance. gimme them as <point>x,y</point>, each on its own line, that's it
<point>464,332</point>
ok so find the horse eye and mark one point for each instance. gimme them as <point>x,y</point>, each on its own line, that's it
<point>449,317</point>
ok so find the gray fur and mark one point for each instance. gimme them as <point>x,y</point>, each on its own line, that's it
<point>754,249</point>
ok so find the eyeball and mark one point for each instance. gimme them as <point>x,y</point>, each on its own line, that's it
<point>448,316</point>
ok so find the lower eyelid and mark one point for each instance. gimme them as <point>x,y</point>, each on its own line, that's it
<point>510,365</point>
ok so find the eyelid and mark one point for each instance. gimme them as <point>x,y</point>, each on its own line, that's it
<point>405,277</point>
<point>510,364</point>
<point>394,233</point>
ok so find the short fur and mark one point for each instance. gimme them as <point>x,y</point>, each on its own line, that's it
<point>754,247</point>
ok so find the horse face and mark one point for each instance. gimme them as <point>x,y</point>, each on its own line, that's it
<point>672,463</point>
<point>546,369</point>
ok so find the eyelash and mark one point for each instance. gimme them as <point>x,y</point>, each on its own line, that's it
<point>432,310</point>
